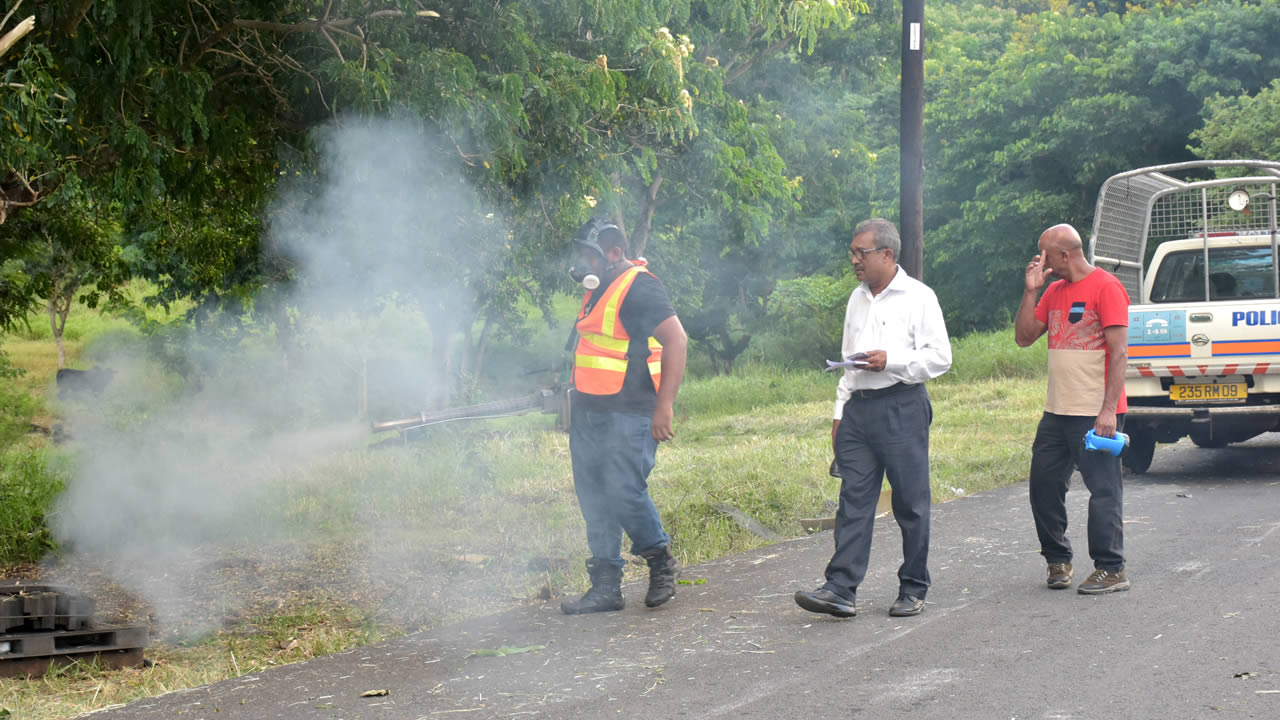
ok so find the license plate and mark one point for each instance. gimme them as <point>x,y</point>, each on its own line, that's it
<point>1208,392</point>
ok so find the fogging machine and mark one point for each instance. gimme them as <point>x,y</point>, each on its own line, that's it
<point>552,400</point>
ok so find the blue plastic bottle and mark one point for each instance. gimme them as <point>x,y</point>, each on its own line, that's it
<point>1114,445</point>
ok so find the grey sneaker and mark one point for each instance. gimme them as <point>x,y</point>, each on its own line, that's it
<point>1104,581</point>
<point>1059,575</point>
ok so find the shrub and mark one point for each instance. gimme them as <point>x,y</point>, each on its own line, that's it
<point>28,487</point>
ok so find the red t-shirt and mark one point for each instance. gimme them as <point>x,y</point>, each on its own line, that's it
<point>1076,314</point>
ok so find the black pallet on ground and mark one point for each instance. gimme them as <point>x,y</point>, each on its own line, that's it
<point>33,607</point>
<point>32,653</point>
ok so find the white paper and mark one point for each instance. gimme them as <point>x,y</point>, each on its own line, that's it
<point>855,361</point>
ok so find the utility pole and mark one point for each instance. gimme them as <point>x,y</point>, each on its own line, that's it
<point>911,140</point>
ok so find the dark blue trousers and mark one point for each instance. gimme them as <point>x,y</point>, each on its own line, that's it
<point>883,434</point>
<point>612,456</point>
<point>1057,451</point>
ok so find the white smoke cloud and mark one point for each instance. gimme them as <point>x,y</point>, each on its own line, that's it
<point>383,239</point>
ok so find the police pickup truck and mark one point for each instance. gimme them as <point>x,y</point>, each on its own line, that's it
<point>1199,259</point>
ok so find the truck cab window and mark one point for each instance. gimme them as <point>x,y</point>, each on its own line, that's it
<point>1235,272</point>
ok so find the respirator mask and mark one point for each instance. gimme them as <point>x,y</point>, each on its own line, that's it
<point>582,273</point>
<point>585,243</point>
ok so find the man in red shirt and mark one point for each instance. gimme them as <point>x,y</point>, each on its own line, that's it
<point>1086,314</point>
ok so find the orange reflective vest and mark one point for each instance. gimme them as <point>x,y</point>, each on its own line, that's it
<point>600,360</point>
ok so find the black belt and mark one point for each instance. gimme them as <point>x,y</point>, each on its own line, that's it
<point>881,392</point>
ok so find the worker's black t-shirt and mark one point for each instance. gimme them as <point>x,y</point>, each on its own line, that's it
<point>645,307</point>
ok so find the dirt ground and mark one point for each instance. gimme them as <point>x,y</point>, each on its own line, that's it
<point>240,590</point>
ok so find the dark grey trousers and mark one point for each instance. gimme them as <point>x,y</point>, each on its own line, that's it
<point>1058,449</point>
<point>879,435</point>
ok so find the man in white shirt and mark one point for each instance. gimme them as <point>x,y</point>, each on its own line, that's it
<point>894,327</point>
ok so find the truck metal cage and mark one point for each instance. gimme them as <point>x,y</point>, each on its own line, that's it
<point>1141,208</point>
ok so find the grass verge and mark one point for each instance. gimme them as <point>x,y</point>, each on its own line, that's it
<point>300,634</point>
<point>471,519</point>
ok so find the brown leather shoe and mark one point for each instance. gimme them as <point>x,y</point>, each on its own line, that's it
<point>1059,575</point>
<point>1104,581</point>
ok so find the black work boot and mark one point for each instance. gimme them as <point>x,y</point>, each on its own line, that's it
<point>663,568</point>
<point>605,594</point>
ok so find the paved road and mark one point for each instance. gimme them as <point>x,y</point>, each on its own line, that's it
<point>1203,538</point>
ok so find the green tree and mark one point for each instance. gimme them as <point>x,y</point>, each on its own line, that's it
<point>1031,113</point>
<point>1241,126</point>
<point>75,256</point>
<point>176,112</point>
<point>776,114</point>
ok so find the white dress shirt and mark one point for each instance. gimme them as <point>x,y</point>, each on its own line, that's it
<point>905,321</point>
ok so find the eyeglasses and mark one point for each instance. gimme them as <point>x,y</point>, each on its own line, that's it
<point>860,254</point>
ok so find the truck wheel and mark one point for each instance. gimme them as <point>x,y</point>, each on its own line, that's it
<point>1142,448</point>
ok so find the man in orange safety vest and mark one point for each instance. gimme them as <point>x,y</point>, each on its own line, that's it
<point>628,362</point>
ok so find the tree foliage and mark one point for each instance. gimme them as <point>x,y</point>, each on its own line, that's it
<point>1241,126</point>
<point>1032,112</point>
<point>182,115</point>
<point>737,141</point>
